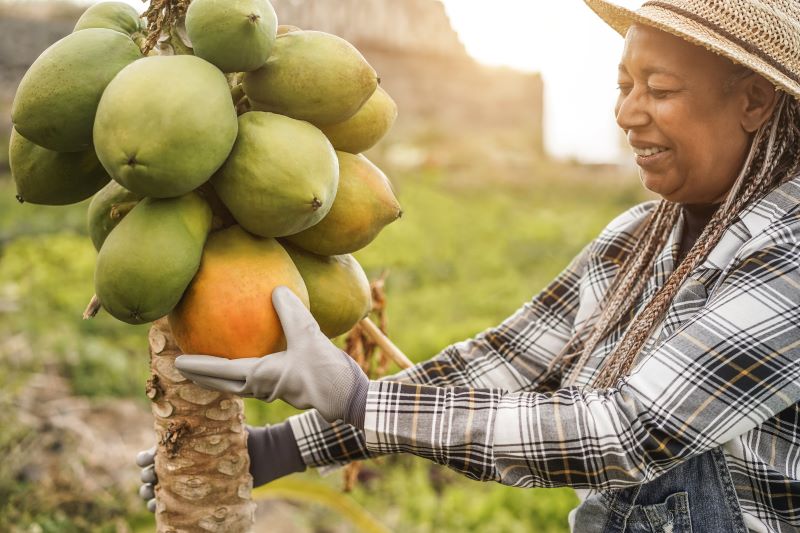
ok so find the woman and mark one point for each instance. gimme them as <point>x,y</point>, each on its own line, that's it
<point>659,374</point>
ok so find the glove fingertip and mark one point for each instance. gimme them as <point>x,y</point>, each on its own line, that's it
<point>144,458</point>
<point>182,362</point>
<point>146,492</point>
<point>148,475</point>
<point>279,294</point>
<point>151,505</point>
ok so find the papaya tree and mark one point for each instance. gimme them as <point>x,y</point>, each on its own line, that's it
<point>201,458</point>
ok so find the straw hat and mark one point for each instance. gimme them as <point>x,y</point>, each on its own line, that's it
<point>763,35</point>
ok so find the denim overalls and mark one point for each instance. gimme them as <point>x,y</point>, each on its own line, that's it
<point>695,497</point>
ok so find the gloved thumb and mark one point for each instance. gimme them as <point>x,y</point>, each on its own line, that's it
<point>295,318</point>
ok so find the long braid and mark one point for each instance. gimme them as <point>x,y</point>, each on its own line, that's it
<point>774,158</point>
<point>624,290</point>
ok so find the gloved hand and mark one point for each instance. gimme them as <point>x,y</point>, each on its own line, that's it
<point>145,459</point>
<point>311,373</point>
<point>273,454</point>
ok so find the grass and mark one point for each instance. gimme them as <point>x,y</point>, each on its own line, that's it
<point>466,253</point>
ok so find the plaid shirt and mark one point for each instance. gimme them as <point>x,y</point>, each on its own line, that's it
<point>722,369</point>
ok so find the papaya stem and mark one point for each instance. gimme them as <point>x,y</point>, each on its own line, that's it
<point>139,39</point>
<point>120,210</point>
<point>93,308</point>
<point>243,106</point>
<point>237,92</point>
<point>162,15</point>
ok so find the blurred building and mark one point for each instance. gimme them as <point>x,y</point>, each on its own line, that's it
<point>424,66</point>
<point>26,29</point>
<point>410,43</point>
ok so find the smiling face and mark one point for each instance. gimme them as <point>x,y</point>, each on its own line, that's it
<point>685,113</point>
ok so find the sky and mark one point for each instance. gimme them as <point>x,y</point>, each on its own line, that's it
<point>576,53</point>
<point>574,50</point>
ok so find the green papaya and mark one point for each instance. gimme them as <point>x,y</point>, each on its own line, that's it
<point>46,177</point>
<point>107,208</point>
<point>363,130</point>
<point>338,289</point>
<point>364,204</point>
<point>165,124</point>
<point>57,99</point>
<point>116,16</point>
<point>234,35</point>
<point>281,176</point>
<point>313,76</point>
<point>148,260</point>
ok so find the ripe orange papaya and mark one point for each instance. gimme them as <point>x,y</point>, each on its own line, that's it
<point>227,309</point>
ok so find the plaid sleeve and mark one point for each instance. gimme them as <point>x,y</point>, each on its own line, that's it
<point>728,369</point>
<point>512,356</point>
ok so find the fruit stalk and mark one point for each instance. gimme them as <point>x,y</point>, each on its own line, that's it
<point>385,343</point>
<point>201,462</point>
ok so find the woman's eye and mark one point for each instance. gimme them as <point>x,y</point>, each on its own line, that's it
<point>659,93</point>
<point>625,88</point>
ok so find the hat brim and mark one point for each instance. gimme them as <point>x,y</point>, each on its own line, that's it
<point>620,19</point>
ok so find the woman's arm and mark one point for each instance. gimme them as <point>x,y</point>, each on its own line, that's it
<point>723,373</point>
<point>512,356</point>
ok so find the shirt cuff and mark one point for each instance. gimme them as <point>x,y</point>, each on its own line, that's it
<point>390,417</point>
<point>453,426</point>
<point>357,404</point>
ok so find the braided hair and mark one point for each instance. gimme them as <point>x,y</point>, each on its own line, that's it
<point>774,157</point>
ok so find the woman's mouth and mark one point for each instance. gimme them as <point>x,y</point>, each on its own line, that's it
<point>649,158</point>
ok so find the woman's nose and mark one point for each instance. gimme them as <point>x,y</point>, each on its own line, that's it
<point>630,111</point>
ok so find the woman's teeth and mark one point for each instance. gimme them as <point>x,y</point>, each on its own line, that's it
<point>645,152</point>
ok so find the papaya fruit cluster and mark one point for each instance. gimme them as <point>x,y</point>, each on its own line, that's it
<point>216,174</point>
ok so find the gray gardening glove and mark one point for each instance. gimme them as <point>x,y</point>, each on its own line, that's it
<point>311,373</point>
<point>273,454</point>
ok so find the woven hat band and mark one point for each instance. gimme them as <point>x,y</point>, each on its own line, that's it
<point>726,34</point>
<point>762,35</point>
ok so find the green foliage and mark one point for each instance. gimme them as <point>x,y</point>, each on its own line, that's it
<point>292,488</point>
<point>415,496</point>
<point>29,219</point>
<point>48,281</point>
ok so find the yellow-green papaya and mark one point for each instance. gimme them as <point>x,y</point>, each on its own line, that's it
<point>46,177</point>
<point>116,16</point>
<point>165,124</point>
<point>364,204</point>
<point>363,130</point>
<point>148,260</point>
<point>338,289</point>
<point>313,76</point>
<point>57,99</point>
<point>281,176</point>
<point>107,208</point>
<point>234,35</point>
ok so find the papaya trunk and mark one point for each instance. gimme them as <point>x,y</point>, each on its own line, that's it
<point>202,464</point>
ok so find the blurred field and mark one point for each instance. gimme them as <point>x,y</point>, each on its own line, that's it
<point>475,241</point>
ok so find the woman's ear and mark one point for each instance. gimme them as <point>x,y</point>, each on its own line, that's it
<point>760,97</point>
